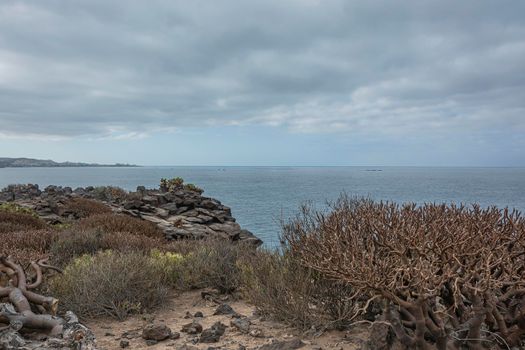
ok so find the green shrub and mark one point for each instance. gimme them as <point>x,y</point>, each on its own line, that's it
<point>111,284</point>
<point>16,208</point>
<point>171,265</point>
<point>170,185</point>
<point>193,188</point>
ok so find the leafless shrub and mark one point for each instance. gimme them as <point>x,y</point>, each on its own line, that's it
<point>453,276</point>
<point>119,223</point>
<point>110,284</point>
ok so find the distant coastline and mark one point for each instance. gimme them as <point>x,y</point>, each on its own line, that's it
<point>46,163</point>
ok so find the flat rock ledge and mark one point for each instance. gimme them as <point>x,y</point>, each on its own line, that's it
<point>180,213</point>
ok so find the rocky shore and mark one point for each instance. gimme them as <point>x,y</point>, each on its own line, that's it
<point>181,212</point>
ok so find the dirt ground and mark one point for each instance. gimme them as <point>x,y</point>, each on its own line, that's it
<point>109,332</point>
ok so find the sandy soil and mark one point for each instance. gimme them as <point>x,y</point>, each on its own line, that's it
<point>109,332</point>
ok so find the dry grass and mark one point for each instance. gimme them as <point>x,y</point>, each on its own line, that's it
<point>25,246</point>
<point>19,221</point>
<point>212,263</point>
<point>281,288</point>
<point>83,207</point>
<point>119,223</point>
<point>76,242</point>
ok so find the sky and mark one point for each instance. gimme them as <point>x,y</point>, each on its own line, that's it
<point>264,82</point>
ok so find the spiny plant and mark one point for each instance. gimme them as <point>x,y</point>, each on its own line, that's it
<point>450,277</point>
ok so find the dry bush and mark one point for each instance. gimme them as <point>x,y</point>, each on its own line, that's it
<point>452,277</point>
<point>83,207</point>
<point>111,284</point>
<point>211,263</point>
<point>19,221</point>
<point>76,242</point>
<point>119,223</point>
<point>281,288</point>
<point>26,246</point>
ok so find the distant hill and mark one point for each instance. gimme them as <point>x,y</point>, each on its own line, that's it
<point>30,163</point>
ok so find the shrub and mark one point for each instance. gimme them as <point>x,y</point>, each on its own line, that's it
<point>193,188</point>
<point>16,208</point>
<point>451,275</point>
<point>83,207</point>
<point>210,263</point>
<point>76,242</point>
<point>171,184</point>
<point>110,284</point>
<point>26,246</point>
<point>119,223</point>
<point>19,221</point>
<point>281,288</point>
<point>171,265</point>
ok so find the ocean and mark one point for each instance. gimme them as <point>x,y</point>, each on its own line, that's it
<point>261,196</point>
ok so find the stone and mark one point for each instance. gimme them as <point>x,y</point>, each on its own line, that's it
<point>209,203</point>
<point>224,309</point>
<point>131,334</point>
<point>124,344</point>
<point>230,228</point>
<point>180,214</point>
<point>256,333</point>
<point>174,335</point>
<point>242,324</point>
<point>213,334</point>
<point>150,342</point>
<point>156,332</point>
<point>170,207</point>
<point>198,314</point>
<point>284,345</point>
<point>163,213</point>
<point>187,347</point>
<point>192,328</point>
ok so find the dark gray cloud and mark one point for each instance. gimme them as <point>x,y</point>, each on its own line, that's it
<point>116,68</point>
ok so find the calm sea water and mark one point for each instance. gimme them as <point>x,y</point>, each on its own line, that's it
<point>260,196</point>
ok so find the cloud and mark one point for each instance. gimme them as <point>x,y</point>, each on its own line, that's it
<point>126,69</point>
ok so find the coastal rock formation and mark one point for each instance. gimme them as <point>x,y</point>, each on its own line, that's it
<point>181,211</point>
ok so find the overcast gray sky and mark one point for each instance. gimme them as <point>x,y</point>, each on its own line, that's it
<point>281,82</point>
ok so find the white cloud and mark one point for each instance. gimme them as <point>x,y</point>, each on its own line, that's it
<point>70,68</point>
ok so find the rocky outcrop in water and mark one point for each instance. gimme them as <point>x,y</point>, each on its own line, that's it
<point>181,213</point>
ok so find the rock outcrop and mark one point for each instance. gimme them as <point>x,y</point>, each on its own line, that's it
<point>180,212</point>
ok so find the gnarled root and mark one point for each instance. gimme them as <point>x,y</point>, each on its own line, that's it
<point>18,313</point>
